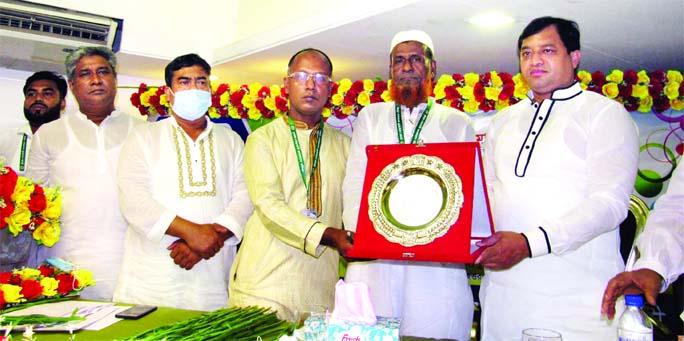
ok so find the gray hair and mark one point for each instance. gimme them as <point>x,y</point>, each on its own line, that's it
<point>86,51</point>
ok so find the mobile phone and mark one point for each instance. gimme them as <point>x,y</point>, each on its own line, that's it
<point>135,312</point>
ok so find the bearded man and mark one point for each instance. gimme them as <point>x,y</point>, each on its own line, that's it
<point>405,288</point>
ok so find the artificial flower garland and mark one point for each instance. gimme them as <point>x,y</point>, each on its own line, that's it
<point>638,91</point>
<point>28,207</point>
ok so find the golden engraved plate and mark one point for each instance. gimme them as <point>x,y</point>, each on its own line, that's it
<point>415,200</point>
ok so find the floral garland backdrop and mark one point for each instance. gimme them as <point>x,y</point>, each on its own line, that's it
<point>641,91</point>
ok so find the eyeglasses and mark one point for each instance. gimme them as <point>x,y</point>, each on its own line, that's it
<point>303,77</point>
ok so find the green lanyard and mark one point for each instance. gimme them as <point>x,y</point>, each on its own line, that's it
<point>419,127</point>
<point>300,158</point>
<point>22,155</point>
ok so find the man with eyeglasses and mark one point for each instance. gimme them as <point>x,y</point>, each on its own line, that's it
<point>433,299</point>
<point>294,167</point>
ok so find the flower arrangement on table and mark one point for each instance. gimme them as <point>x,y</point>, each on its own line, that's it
<point>26,207</point>
<point>471,92</point>
<point>21,287</point>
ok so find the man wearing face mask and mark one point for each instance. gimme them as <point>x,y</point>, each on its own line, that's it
<point>182,190</point>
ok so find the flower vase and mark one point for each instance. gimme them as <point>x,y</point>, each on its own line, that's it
<point>14,251</point>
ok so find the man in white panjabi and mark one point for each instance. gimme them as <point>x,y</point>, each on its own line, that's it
<point>79,153</point>
<point>182,191</point>
<point>44,101</point>
<point>294,169</point>
<point>433,299</point>
<point>560,166</point>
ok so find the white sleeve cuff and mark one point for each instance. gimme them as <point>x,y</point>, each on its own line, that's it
<point>538,241</point>
<point>231,224</point>
<point>159,228</point>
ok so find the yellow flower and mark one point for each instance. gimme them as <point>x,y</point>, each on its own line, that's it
<point>439,91</point>
<point>269,103</point>
<point>347,110</point>
<point>253,113</point>
<point>645,104</point>
<point>325,112</point>
<point>500,105</point>
<point>583,86</point>
<point>248,101</point>
<point>28,273</point>
<point>672,90</point>
<point>50,286</point>
<point>145,97</point>
<point>521,87</point>
<point>337,99</point>
<point>22,190</point>
<point>471,106</point>
<point>224,99</point>
<point>254,89</point>
<point>163,101</point>
<point>275,90</point>
<point>615,76</point>
<point>386,96</point>
<point>213,113</point>
<point>233,112</point>
<point>53,201</point>
<point>610,90</point>
<point>20,217</point>
<point>674,76</point>
<point>12,293</point>
<point>368,85</point>
<point>466,92</point>
<point>84,278</point>
<point>48,233</point>
<point>471,78</point>
<point>445,80</point>
<point>643,77</point>
<point>492,93</point>
<point>345,85</point>
<point>496,80</point>
<point>584,76</point>
<point>639,91</point>
<point>363,98</point>
<point>677,104</point>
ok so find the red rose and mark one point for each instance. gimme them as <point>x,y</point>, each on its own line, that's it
<point>31,289</point>
<point>631,104</point>
<point>281,103</point>
<point>264,92</point>
<point>142,88</point>
<point>376,97</point>
<point>161,110</point>
<point>661,104</point>
<point>350,98</point>
<point>135,99</point>
<point>659,75</point>
<point>655,88</point>
<point>46,271</point>
<point>215,100</point>
<point>486,78</point>
<point>7,183</point>
<point>5,277</point>
<point>143,110</point>
<point>507,91</point>
<point>283,91</point>
<point>357,86</point>
<point>236,98</point>
<point>66,283</point>
<point>479,92</point>
<point>259,104</point>
<point>380,87</point>
<point>6,212</point>
<point>15,279</point>
<point>458,78</point>
<point>630,77</point>
<point>486,105</point>
<point>222,88</point>
<point>506,78</point>
<point>37,201</point>
<point>625,90</point>
<point>451,93</point>
<point>2,300</point>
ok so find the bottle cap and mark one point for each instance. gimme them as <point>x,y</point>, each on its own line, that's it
<point>634,300</point>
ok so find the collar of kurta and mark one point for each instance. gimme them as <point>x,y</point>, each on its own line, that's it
<point>561,94</point>
<point>204,133</point>
<point>300,124</point>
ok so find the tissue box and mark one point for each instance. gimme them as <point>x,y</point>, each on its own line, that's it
<point>387,329</point>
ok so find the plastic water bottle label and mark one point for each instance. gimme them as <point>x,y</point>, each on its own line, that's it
<point>625,335</point>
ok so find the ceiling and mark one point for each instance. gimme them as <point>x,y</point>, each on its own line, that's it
<point>626,34</point>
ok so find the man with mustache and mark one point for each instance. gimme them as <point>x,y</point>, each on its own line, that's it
<point>294,167</point>
<point>560,166</point>
<point>44,100</point>
<point>434,300</point>
<point>80,153</point>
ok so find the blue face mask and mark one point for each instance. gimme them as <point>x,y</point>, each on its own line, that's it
<point>191,104</point>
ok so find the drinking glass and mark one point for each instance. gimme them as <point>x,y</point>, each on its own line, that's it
<point>540,334</point>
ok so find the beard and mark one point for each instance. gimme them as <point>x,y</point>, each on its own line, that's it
<point>410,95</point>
<point>41,118</point>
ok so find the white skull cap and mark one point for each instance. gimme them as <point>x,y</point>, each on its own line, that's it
<point>412,35</point>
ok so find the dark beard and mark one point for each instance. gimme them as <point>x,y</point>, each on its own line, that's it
<point>39,119</point>
<point>410,96</point>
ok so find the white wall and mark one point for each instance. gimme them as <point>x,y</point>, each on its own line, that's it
<point>12,98</point>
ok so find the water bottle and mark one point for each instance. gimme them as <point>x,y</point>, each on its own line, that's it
<point>633,324</point>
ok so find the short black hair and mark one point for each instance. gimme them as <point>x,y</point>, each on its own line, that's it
<point>568,31</point>
<point>180,62</point>
<point>49,76</point>
<point>310,49</point>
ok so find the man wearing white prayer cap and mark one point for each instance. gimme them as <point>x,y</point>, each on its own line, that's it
<point>433,299</point>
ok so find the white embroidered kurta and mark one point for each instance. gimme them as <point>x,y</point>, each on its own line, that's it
<point>662,243</point>
<point>566,165</point>
<point>433,299</point>
<point>81,157</point>
<point>281,263</point>
<point>159,164</point>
